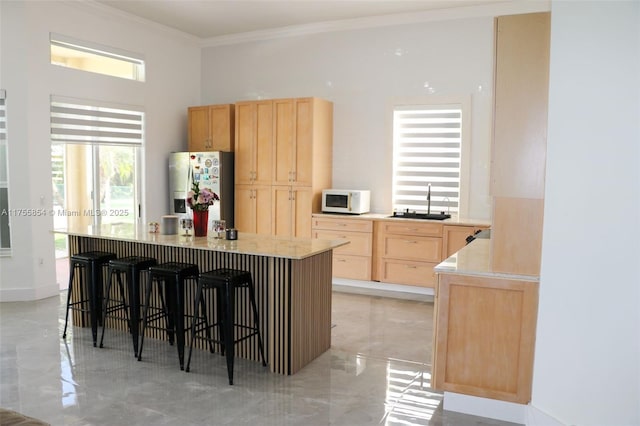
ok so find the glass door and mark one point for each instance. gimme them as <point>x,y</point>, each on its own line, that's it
<point>93,185</point>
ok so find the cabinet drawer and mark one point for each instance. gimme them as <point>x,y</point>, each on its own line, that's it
<point>340,224</point>
<point>410,273</point>
<point>359,242</point>
<point>405,227</point>
<point>352,267</point>
<point>425,249</point>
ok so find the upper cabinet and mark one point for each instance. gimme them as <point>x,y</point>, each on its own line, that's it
<point>254,142</point>
<point>211,128</point>
<point>521,105</point>
<point>302,142</point>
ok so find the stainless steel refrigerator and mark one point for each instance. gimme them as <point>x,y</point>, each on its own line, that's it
<point>214,170</point>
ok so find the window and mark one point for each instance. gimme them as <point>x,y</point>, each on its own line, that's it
<point>93,57</point>
<point>428,145</point>
<point>95,159</point>
<point>5,236</point>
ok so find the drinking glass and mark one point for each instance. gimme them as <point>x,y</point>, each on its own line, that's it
<point>218,227</point>
<point>186,224</point>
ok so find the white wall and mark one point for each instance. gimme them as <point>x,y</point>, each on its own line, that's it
<point>362,72</point>
<point>587,359</point>
<point>173,76</point>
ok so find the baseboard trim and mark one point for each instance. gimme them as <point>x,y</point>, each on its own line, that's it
<point>485,407</point>
<point>28,294</point>
<point>373,288</point>
<point>537,417</point>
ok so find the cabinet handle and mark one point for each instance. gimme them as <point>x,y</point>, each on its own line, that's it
<point>341,260</point>
<point>410,242</point>
<point>293,176</point>
<point>411,267</point>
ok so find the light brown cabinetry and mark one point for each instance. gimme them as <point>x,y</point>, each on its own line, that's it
<point>406,252</point>
<point>292,209</point>
<point>485,336</point>
<point>352,261</point>
<point>253,142</point>
<point>455,237</point>
<point>519,145</point>
<point>211,128</point>
<point>253,209</point>
<point>287,145</point>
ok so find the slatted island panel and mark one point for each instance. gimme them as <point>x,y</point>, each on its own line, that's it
<point>292,279</point>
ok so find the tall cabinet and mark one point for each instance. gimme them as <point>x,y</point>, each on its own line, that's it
<point>520,141</point>
<point>283,161</point>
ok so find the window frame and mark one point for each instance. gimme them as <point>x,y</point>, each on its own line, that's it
<point>464,102</point>
<point>83,47</point>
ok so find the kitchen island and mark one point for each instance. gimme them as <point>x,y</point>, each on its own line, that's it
<point>292,279</point>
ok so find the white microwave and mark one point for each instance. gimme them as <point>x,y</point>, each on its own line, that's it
<point>351,201</point>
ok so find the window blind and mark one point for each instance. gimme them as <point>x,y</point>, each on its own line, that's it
<point>427,146</point>
<point>5,236</point>
<point>87,122</point>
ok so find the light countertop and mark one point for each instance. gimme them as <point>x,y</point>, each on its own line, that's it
<point>250,244</point>
<point>475,259</point>
<point>454,220</point>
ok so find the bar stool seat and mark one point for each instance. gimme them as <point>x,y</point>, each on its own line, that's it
<point>131,267</point>
<point>225,282</point>
<point>170,279</point>
<point>92,263</point>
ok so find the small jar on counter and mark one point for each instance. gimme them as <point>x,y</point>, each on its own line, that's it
<point>154,227</point>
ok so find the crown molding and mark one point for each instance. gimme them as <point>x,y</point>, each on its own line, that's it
<point>103,10</point>
<point>494,9</point>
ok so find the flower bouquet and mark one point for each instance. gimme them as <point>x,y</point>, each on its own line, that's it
<point>199,200</point>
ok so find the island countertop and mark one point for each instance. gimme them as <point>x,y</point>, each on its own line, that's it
<point>250,244</point>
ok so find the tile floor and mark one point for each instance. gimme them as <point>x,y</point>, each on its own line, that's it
<point>377,372</point>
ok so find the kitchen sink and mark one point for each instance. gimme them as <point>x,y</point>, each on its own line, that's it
<point>414,215</point>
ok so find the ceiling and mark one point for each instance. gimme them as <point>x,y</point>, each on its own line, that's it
<point>215,18</point>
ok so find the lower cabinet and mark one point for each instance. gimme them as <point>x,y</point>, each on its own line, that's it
<point>253,209</point>
<point>396,251</point>
<point>455,237</point>
<point>292,208</point>
<point>407,252</point>
<point>485,336</point>
<point>353,260</point>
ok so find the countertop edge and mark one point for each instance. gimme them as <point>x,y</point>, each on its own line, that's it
<point>226,246</point>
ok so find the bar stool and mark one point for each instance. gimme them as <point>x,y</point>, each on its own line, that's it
<point>171,278</point>
<point>225,282</point>
<point>131,267</point>
<point>92,263</point>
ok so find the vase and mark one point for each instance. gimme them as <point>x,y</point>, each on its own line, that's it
<point>200,221</point>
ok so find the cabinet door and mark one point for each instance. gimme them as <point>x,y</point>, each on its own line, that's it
<point>253,142</point>
<point>284,139</point>
<point>262,171</point>
<point>302,167</point>
<point>198,130</point>
<point>521,104</point>
<point>262,209</point>
<point>301,205</point>
<point>282,211</point>
<point>221,127</point>
<point>244,142</point>
<point>245,210</point>
<point>454,238</point>
<point>253,209</point>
